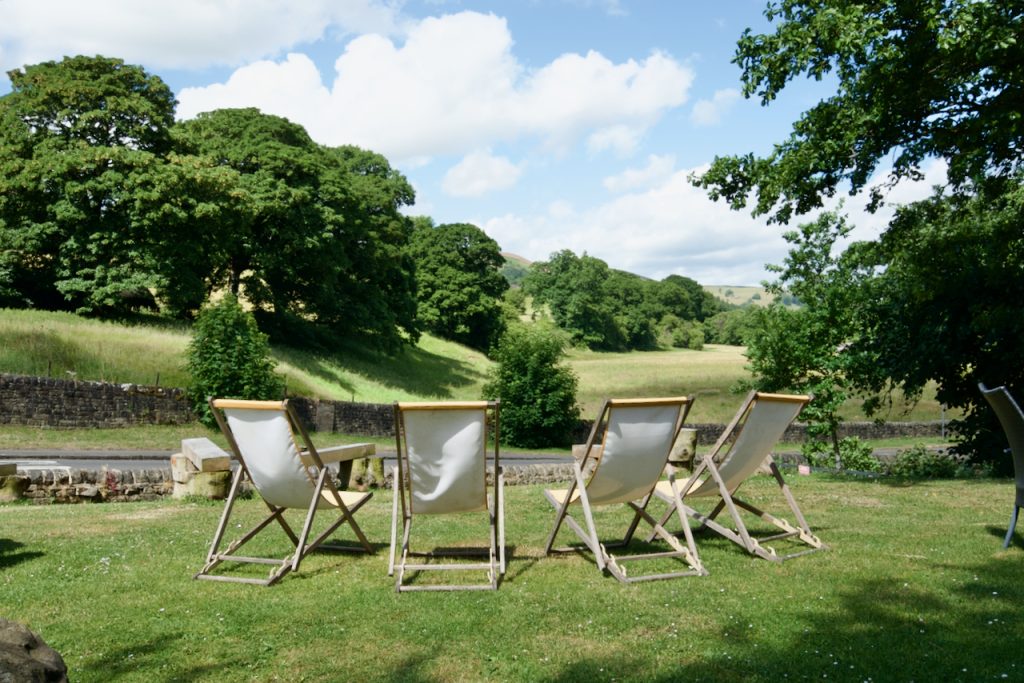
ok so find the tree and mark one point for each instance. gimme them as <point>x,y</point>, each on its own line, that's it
<point>75,137</point>
<point>537,392</point>
<point>915,81</point>
<point>459,283</point>
<point>229,357</point>
<point>574,288</point>
<point>808,349</point>
<point>315,233</point>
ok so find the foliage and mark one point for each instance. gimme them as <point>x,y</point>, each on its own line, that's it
<point>915,81</point>
<point>948,306</point>
<point>733,327</point>
<point>314,232</point>
<point>921,463</point>
<point>76,137</point>
<point>537,391</point>
<point>807,349</point>
<point>107,205</point>
<point>680,334</point>
<point>854,454</point>
<point>459,284</point>
<point>939,297</point>
<point>610,310</point>
<point>229,357</point>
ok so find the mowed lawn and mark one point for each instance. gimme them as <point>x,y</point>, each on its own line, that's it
<point>914,586</point>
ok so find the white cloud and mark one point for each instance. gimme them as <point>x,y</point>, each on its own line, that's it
<point>479,173</point>
<point>710,112</point>
<point>185,34</point>
<point>658,168</point>
<point>455,86</point>
<point>673,227</point>
<point>621,139</point>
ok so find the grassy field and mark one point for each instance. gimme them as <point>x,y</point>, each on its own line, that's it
<point>914,587</point>
<point>64,345</point>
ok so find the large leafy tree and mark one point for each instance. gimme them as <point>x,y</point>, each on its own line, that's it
<point>312,233</point>
<point>915,81</point>
<point>459,283</point>
<point>75,137</point>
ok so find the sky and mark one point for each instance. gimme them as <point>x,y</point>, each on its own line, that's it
<point>549,124</point>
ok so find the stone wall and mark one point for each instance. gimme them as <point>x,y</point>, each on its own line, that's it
<point>62,403</point>
<point>71,485</point>
<point>45,402</point>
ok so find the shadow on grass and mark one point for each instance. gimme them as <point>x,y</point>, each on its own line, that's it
<point>413,369</point>
<point>131,657</point>
<point>9,555</point>
<point>876,629</point>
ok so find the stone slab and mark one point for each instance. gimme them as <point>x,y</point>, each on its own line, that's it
<point>205,455</point>
<point>7,468</point>
<point>182,469</point>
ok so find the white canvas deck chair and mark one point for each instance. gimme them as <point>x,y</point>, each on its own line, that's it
<point>629,446</point>
<point>442,469</point>
<point>261,435</point>
<point>1012,420</point>
<point>744,446</point>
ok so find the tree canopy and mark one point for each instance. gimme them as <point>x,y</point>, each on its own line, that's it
<point>915,81</point>
<point>611,310</point>
<point>459,283</point>
<point>105,201</point>
<point>937,295</point>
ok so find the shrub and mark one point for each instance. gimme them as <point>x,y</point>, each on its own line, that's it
<point>854,454</point>
<point>919,462</point>
<point>538,394</point>
<point>229,357</point>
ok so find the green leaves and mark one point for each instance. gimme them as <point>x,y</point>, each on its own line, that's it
<point>229,357</point>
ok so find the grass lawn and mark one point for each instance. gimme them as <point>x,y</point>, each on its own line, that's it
<point>915,586</point>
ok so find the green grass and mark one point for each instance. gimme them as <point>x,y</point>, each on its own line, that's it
<point>913,587</point>
<point>64,345</point>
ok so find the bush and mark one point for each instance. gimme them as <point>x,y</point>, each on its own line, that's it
<point>919,462</point>
<point>538,394</point>
<point>854,454</point>
<point>229,357</point>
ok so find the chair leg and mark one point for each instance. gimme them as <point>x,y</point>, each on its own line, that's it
<point>394,519</point>
<point>1013,525</point>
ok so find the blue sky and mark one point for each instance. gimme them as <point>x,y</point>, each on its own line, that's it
<point>551,124</point>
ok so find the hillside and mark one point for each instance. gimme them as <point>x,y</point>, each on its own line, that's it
<point>740,296</point>
<point>65,345</point>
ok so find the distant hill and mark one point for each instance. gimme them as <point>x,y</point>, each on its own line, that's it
<point>740,296</point>
<point>515,269</point>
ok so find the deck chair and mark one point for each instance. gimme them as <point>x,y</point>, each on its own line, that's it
<point>442,469</point>
<point>743,448</point>
<point>261,435</point>
<point>1012,420</point>
<point>628,447</point>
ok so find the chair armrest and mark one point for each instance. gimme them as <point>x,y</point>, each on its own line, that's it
<point>352,451</point>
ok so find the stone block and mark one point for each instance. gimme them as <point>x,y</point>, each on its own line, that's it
<point>205,455</point>
<point>7,468</point>
<point>182,469</point>
<point>13,487</point>
<point>211,485</point>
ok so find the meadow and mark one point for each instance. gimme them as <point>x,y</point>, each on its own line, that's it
<point>914,586</point>
<point>65,345</point>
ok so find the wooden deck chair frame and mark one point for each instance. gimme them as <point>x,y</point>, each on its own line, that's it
<point>722,478</point>
<point>427,480</point>
<point>322,493</point>
<point>608,434</point>
<point>1012,421</point>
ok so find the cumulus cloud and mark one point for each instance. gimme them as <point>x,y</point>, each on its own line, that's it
<point>479,173</point>
<point>671,227</point>
<point>184,34</point>
<point>710,112</point>
<point>453,86</point>
<point>658,168</point>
